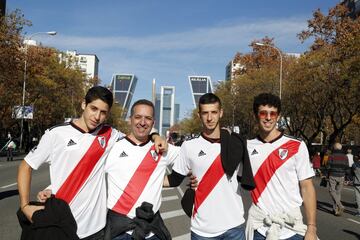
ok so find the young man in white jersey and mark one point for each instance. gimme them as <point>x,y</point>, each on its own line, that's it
<point>283,178</point>
<point>135,176</point>
<point>218,208</point>
<point>76,152</point>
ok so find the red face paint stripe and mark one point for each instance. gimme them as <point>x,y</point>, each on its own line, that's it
<point>208,182</point>
<point>81,172</point>
<point>136,184</point>
<point>269,167</point>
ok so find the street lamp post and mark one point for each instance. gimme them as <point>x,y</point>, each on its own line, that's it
<point>51,33</point>
<point>281,60</point>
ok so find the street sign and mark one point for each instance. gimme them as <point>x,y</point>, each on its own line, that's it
<point>25,112</point>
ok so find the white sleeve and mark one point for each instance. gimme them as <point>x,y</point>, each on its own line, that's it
<point>172,154</point>
<point>304,169</point>
<point>42,152</point>
<point>182,164</point>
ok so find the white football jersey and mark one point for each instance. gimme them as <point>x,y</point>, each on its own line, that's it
<point>223,208</point>
<point>62,147</point>
<point>278,166</point>
<point>124,160</point>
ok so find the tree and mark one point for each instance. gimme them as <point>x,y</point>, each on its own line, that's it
<point>338,37</point>
<point>115,119</point>
<point>11,66</point>
<point>191,125</point>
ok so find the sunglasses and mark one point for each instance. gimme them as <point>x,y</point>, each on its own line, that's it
<point>263,114</point>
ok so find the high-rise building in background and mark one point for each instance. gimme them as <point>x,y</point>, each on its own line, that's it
<point>165,112</point>
<point>199,85</point>
<point>232,69</point>
<point>87,63</point>
<point>2,7</point>
<point>123,87</point>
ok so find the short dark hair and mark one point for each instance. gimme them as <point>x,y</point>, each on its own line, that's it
<point>99,92</point>
<point>266,99</point>
<point>142,102</point>
<point>209,98</point>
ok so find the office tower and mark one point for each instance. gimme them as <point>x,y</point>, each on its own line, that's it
<point>123,87</point>
<point>199,85</point>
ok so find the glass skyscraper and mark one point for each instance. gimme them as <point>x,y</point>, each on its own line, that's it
<point>199,85</point>
<point>123,87</point>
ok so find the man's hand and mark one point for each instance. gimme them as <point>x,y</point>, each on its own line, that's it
<point>193,181</point>
<point>43,195</point>
<point>310,233</point>
<point>160,144</point>
<point>29,210</point>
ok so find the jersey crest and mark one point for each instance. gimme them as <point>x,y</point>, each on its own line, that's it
<point>102,141</point>
<point>154,155</point>
<point>283,153</point>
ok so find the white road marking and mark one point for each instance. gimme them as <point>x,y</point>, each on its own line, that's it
<point>352,220</point>
<point>10,185</point>
<point>183,237</point>
<point>169,198</point>
<point>180,191</point>
<point>172,214</point>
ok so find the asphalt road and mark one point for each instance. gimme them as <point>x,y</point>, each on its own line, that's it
<point>345,227</point>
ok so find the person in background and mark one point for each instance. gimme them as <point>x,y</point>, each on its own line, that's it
<point>356,172</point>
<point>337,165</point>
<point>10,150</point>
<point>316,162</point>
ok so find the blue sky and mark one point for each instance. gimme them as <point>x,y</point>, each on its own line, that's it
<point>167,39</point>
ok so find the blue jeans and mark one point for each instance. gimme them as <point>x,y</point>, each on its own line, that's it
<point>236,233</point>
<point>126,236</point>
<point>258,236</point>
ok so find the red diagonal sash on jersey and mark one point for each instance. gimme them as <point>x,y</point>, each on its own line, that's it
<point>137,183</point>
<point>208,182</point>
<point>274,161</point>
<point>81,172</point>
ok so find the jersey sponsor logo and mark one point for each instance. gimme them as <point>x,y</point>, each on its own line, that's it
<point>154,155</point>
<point>71,143</point>
<point>283,153</point>
<point>123,154</point>
<point>102,141</point>
<point>254,152</point>
<point>201,153</point>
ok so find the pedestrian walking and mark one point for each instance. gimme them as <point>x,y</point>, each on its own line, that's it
<point>337,165</point>
<point>316,162</point>
<point>356,173</point>
<point>10,150</point>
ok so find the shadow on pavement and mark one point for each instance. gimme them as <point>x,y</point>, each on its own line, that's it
<point>9,193</point>
<point>347,204</point>
<point>325,207</point>
<point>352,233</point>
